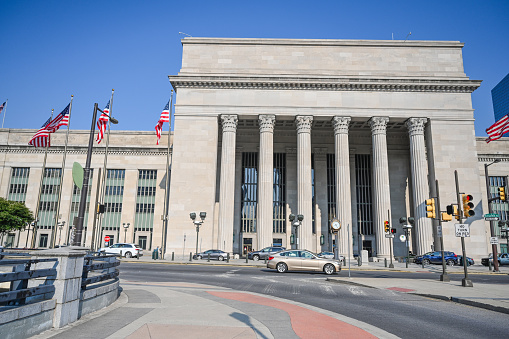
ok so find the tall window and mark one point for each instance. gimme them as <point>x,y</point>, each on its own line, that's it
<point>249,188</point>
<point>331,186</point>
<point>49,198</point>
<point>498,206</point>
<point>279,193</point>
<point>19,183</point>
<point>114,194</point>
<point>145,201</point>
<point>364,197</point>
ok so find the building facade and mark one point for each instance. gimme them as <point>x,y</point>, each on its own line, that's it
<point>500,98</point>
<point>359,131</point>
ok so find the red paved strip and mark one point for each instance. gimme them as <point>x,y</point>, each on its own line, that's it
<point>400,289</point>
<point>307,324</point>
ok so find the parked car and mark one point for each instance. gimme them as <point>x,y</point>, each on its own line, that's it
<point>330,255</point>
<point>302,260</point>
<point>436,258</point>
<point>126,250</point>
<point>264,253</point>
<point>460,261</point>
<point>503,259</point>
<point>214,254</point>
<point>1,251</point>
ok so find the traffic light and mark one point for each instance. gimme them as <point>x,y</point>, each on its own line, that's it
<point>501,192</point>
<point>393,230</point>
<point>451,210</point>
<point>468,205</point>
<point>386,226</point>
<point>100,208</point>
<point>446,216</point>
<point>430,208</point>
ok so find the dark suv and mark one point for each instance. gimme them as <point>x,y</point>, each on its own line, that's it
<point>436,258</point>
<point>262,254</point>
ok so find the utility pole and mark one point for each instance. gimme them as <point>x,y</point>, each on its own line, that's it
<point>443,276</point>
<point>465,282</point>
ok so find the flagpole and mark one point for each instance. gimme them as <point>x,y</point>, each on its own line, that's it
<point>103,179</point>
<point>5,111</point>
<point>34,231</point>
<point>54,233</point>
<point>167,186</point>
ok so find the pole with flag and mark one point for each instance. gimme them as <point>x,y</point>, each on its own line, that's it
<point>37,143</point>
<point>498,129</point>
<point>166,116</point>
<point>66,111</point>
<point>101,125</point>
<point>3,108</point>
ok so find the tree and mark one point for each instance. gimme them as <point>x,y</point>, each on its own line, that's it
<point>13,215</point>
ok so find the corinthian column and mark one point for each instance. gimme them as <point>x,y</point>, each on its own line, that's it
<point>304,185</point>
<point>423,228</point>
<point>265,181</point>
<point>381,188</point>
<point>343,192</point>
<point>227,184</point>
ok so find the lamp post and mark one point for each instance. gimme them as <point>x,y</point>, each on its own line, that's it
<point>33,223</point>
<point>296,224</point>
<point>126,226</point>
<point>490,210</point>
<point>60,227</point>
<point>197,223</point>
<point>407,229</point>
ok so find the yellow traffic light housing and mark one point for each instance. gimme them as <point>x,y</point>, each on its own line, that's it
<point>430,208</point>
<point>501,193</point>
<point>468,205</point>
<point>446,216</point>
<point>387,227</point>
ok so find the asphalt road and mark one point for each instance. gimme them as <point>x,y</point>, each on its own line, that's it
<point>405,315</point>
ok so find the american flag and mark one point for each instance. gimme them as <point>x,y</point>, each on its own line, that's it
<point>498,129</point>
<point>101,123</point>
<point>42,137</point>
<point>165,117</point>
<point>2,106</point>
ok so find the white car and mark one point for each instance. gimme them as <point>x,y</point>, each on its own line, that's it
<point>125,250</point>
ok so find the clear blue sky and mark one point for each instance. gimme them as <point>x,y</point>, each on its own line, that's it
<point>52,49</point>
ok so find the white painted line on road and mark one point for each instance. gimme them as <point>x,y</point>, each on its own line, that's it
<point>327,290</point>
<point>269,289</point>
<point>355,290</point>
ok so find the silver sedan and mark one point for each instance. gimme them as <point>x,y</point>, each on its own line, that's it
<point>302,260</point>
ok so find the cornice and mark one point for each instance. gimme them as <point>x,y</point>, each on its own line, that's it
<point>325,84</point>
<point>54,150</point>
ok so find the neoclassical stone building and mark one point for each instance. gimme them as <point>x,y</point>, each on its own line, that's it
<point>264,128</point>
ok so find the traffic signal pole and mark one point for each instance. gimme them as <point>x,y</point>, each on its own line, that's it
<point>465,282</point>
<point>494,249</point>
<point>443,276</point>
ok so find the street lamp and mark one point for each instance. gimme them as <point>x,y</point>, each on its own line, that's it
<point>296,224</point>
<point>126,226</point>
<point>407,228</point>
<point>197,223</point>
<point>60,227</point>
<point>490,210</point>
<point>33,224</point>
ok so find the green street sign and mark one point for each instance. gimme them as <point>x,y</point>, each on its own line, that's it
<point>77,174</point>
<point>491,217</point>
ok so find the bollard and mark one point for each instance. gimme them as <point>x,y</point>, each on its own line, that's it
<point>422,263</point>
<point>385,262</point>
<point>359,261</point>
<point>489,265</point>
<point>208,257</point>
<point>190,256</point>
<point>265,260</point>
<point>227,257</point>
<point>246,258</point>
<point>172,256</point>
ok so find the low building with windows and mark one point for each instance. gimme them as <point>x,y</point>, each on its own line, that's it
<point>348,130</point>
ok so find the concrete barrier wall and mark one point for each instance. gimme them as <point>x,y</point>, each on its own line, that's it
<point>27,320</point>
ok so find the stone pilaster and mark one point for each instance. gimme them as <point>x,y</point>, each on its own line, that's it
<point>304,186</point>
<point>227,183</point>
<point>265,181</point>
<point>423,232</point>
<point>381,188</point>
<point>343,192</point>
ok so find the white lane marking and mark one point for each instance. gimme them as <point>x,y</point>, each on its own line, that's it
<point>269,289</point>
<point>228,274</point>
<point>327,289</point>
<point>355,290</point>
<point>296,289</point>
<point>266,279</point>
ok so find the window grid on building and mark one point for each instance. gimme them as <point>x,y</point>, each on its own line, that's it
<point>145,200</point>
<point>49,198</point>
<point>113,196</point>
<point>498,206</point>
<point>18,184</point>
<point>364,194</point>
<point>75,203</point>
<point>331,186</point>
<point>249,192</point>
<point>279,193</point>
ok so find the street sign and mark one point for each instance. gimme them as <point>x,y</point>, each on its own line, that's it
<point>402,238</point>
<point>439,231</point>
<point>492,217</point>
<point>106,239</point>
<point>462,230</point>
<point>494,240</point>
<point>390,235</point>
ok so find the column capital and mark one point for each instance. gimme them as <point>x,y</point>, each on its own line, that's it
<point>416,126</point>
<point>378,125</point>
<point>267,123</point>
<point>304,123</point>
<point>229,122</point>
<point>341,124</point>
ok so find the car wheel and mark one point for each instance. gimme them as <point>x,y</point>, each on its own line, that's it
<point>426,261</point>
<point>281,267</point>
<point>128,255</point>
<point>329,269</point>
<point>221,258</point>
<point>198,257</point>
<point>450,262</point>
<point>256,257</point>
